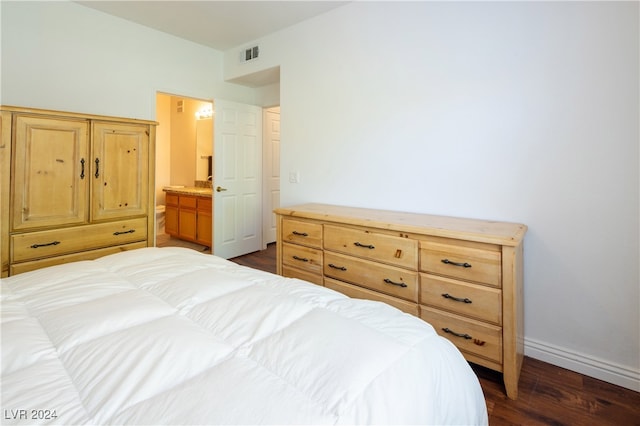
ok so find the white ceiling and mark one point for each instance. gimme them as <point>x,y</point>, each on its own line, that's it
<point>218,24</point>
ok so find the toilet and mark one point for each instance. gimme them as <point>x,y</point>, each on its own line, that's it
<point>160,219</point>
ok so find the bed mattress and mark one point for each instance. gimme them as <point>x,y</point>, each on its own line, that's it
<point>173,336</point>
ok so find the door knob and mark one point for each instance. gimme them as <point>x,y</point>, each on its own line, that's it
<point>220,189</point>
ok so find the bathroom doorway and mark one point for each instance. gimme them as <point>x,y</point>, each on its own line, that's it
<point>184,148</point>
<point>233,174</point>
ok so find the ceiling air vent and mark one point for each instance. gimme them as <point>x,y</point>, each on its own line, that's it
<point>249,54</point>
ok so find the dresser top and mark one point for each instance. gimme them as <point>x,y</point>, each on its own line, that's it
<point>504,233</point>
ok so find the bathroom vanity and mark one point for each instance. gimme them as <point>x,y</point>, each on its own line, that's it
<point>189,214</point>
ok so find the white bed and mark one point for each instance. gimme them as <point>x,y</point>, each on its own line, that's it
<point>173,336</point>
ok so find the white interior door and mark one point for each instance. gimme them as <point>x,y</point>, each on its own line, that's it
<point>270,173</point>
<point>237,183</point>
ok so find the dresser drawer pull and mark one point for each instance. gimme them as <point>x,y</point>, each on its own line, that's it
<point>342,268</point>
<point>53,243</point>
<point>464,265</point>
<point>130,231</point>
<point>302,259</point>
<point>388,281</point>
<point>369,246</point>
<point>300,234</point>
<point>457,299</point>
<point>465,335</point>
<point>82,170</point>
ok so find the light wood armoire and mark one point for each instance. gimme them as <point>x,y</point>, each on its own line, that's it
<point>74,187</point>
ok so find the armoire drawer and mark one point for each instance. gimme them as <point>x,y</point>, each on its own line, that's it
<point>39,245</point>
<point>475,337</point>
<point>479,263</point>
<point>467,299</point>
<point>19,268</point>
<point>302,232</point>
<point>305,258</point>
<point>363,293</point>
<point>375,276</point>
<point>390,249</point>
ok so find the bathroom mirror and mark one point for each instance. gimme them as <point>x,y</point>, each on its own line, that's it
<point>204,147</point>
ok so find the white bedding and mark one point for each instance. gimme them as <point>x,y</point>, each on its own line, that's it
<point>173,336</point>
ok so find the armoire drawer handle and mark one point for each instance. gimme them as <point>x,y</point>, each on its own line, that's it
<point>300,234</point>
<point>342,268</point>
<point>130,231</point>
<point>369,246</point>
<point>464,265</point>
<point>82,170</point>
<point>53,243</point>
<point>302,259</point>
<point>457,299</point>
<point>97,168</point>
<point>388,281</point>
<point>465,335</point>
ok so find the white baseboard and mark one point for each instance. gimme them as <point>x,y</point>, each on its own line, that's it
<point>587,365</point>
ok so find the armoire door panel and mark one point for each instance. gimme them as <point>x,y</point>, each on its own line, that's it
<point>50,172</point>
<point>119,170</point>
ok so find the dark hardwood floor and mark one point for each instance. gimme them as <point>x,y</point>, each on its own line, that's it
<point>548,395</point>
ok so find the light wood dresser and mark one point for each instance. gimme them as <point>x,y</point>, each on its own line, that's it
<point>463,276</point>
<point>74,187</point>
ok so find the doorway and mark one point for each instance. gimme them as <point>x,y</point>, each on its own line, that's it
<point>237,172</point>
<point>184,145</point>
<point>270,173</point>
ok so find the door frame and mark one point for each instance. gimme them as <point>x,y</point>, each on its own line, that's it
<point>265,202</point>
<point>268,217</point>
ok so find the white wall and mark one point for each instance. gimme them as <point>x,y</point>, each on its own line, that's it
<point>64,56</point>
<point>523,112</point>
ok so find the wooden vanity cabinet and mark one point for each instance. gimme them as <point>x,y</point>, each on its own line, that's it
<point>189,217</point>
<point>78,187</point>
<point>171,214</point>
<point>463,276</point>
<point>204,221</point>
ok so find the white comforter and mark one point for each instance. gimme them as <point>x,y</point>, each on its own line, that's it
<point>173,336</point>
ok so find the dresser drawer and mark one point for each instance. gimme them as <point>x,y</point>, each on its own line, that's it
<point>312,277</point>
<point>305,258</point>
<point>301,232</point>
<point>481,263</point>
<point>477,301</point>
<point>375,276</point>
<point>362,293</point>
<point>475,337</point>
<point>38,245</point>
<point>389,249</point>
